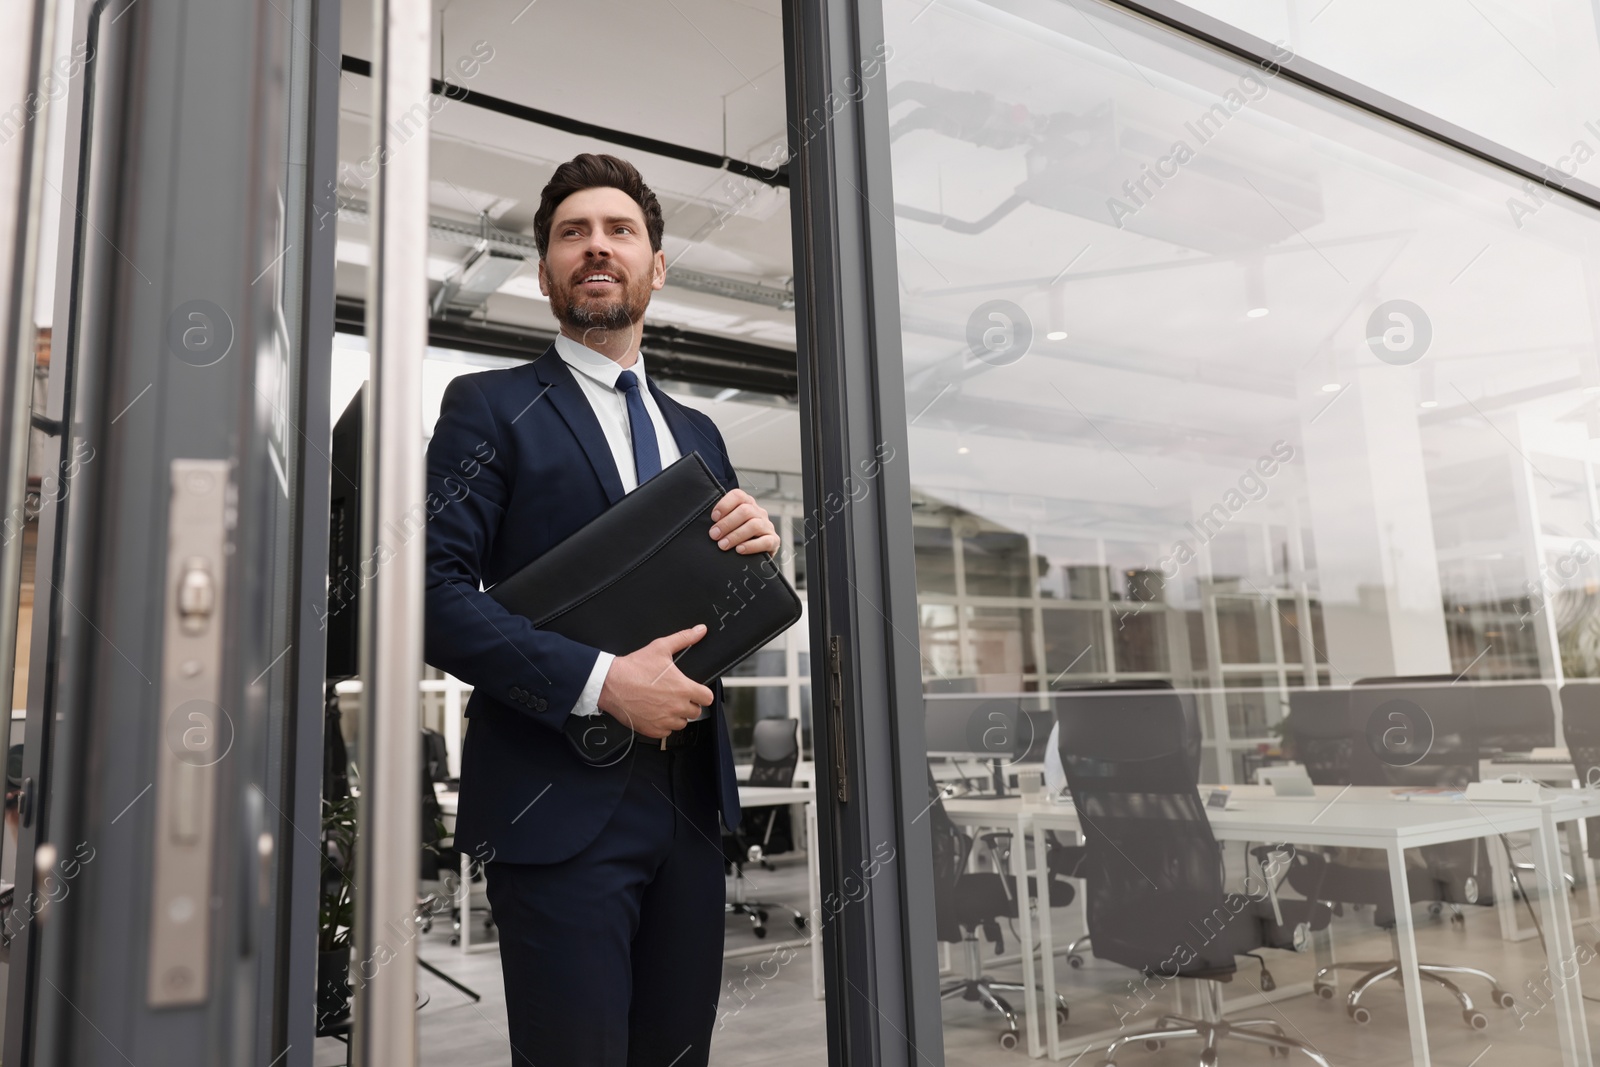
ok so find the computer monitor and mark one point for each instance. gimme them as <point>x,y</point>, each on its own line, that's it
<point>343,609</point>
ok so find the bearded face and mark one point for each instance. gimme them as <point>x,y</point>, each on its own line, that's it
<point>601,295</point>
<point>599,269</point>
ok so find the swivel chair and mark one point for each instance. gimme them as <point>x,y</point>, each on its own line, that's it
<point>967,901</point>
<point>1068,860</point>
<point>1155,873</point>
<point>1420,731</point>
<point>777,753</point>
<point>1580,726</point>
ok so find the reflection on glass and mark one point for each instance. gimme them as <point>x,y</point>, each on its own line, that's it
<point>1219,386</point>
<point>745,705</point>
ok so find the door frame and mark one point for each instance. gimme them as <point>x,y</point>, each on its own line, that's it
<point>881,963</point>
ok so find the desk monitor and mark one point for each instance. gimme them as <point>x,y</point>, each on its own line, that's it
<point>974,725</point>
<point>343,608</point>
<point>1420,730</point>
<point>1515,718</point>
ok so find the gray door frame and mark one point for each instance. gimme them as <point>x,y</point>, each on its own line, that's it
<point>876,856</point>
<point>196,178</point>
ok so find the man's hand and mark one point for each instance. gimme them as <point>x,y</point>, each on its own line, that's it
<point>742,525</point>
<point>645,690</point>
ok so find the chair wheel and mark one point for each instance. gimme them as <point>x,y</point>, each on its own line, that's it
<point>1062,1014</point>
<point>1268,983</point>
<point>761,913</point>
<point>1434,910</point>
<point>1458,919</point>
<point>1324,991</point>
<point>1008,1039</point>
<point>799,922</point>
<point>1502,998</point>
<point>1361,1015</point>
<point>455,939</point>
<point>1075,961</point>
<point>759,931</point>
<point>1476,1019</point>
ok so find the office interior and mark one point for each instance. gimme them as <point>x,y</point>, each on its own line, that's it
<point>1233,551</point>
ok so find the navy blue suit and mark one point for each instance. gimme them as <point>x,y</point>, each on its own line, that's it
<point>517,463</point>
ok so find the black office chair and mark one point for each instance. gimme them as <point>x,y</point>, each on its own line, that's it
<point>1068,860</point>
<point>1580,725</point>
<point>966,901</point>
<point>1420,731</point>
<point>1155,873</point>
<point>777,753</point>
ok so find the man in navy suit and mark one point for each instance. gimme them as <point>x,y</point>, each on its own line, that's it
<point>606,880</point>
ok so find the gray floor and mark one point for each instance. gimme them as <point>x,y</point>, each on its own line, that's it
<point>769,1019</point>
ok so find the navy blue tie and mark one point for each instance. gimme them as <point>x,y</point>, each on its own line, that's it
<point>646,453</point>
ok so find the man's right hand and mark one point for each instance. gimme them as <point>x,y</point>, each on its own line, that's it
<point>645,691</point>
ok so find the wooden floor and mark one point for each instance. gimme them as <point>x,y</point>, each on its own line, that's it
<point>776,1023</point>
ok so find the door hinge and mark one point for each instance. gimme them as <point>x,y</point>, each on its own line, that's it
<point>841,771</point>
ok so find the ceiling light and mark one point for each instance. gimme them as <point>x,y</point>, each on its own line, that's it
<point>962,450</point>
<point>726,394</point>
<point>1257,313</point>
<point>1332,387</point>
<point>1429,404</point>
<point>1056,335</point>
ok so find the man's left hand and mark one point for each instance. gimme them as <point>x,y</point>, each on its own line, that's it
<point>741,524</point>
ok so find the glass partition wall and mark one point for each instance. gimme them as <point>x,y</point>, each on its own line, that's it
<point>1223,390</point>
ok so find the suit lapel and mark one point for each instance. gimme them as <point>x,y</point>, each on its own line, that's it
<point>688,436</point>
<point>567,398</point>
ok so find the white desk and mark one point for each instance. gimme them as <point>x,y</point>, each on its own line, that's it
<point>763,796</point>
<point>750,796</point>
<point>1360,817</point>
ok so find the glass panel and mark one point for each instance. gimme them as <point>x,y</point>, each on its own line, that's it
<point>764,663</point>
<point>746,704</point>
<point>1068,569</point>
<point>1139,642</point>
<point>1523,75</point>
<point>996,563</point>
<point>1000,642</point>
<point>1256,403</point>
<point>936,559</point>
<point>1074,642</point>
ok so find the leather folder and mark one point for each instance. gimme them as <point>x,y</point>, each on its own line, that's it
<point>647,567</point>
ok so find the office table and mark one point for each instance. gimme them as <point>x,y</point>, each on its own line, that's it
<point>750,796</point>
<point>1358,817</point>
<point>766,796</point>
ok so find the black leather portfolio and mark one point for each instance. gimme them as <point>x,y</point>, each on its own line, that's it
<point>647,567</point>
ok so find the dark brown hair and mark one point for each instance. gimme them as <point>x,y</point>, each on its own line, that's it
<point>591,171</point>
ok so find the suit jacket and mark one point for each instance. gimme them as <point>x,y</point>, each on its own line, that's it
<point>517,463</point>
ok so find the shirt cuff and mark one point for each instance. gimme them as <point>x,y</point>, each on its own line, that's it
<point>589,699</point>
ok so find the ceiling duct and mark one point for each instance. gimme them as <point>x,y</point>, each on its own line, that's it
<point>495,247</point>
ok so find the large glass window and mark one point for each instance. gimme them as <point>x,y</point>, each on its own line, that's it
<point>1523,75</point>
<point>1217,384</point>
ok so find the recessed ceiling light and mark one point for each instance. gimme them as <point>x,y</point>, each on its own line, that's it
<point>962,450</point>
<point>1332,387</point>
<point>1429,404</point>
<point>1056,335</point>
<point>1257,313</point>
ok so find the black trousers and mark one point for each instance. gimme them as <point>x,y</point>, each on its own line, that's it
<point>613,958</point>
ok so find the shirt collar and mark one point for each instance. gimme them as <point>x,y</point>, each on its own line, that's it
<point>596,365</point>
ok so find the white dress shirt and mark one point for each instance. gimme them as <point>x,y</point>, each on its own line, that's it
<point>596,374</point>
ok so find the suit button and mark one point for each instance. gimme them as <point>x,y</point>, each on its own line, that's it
<point>540,703</point>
